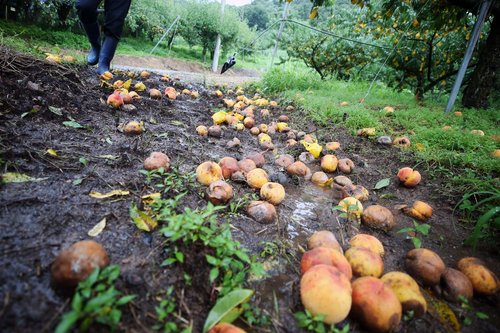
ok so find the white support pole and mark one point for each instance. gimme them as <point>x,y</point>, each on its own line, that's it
<point>166,32</point>
<point>476,32</point>
<point>215,62</point>
<point>280,31</point>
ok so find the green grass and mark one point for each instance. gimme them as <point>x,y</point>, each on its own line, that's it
<point>455,148</point>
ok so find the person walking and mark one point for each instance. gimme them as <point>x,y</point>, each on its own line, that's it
<point>115,12</point>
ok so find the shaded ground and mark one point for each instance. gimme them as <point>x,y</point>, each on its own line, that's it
<point>38,219</point>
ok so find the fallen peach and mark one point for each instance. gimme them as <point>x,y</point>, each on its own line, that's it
<point>258,158</point>
<point>378,217</point>
<point>351,206</point>
<point>483,280</point>
<point>229,165</point>
<point>321,179</point>
<point>298,168</point>
<point>424,265</point>
<point>368,241</point>
<point>115,100</point>
<point>324,238</point>
<point>257,177</point>
<point>409,177</point>
<point>455,284</point>
<point>272,192</point>
<point>355,191</point>
<point>219,192</point>
<point>225,328</point>
<point>145,74</point>
<point>345,165</point>
<point>246,165</point>
<point>407,292</point>
<point>375,305</point>
<point>202,130</point>
<point>326,256</point>
<point>263,128</point>
<point>249,122</point>
<point>262,211</point>
<point>284,160</point>
<point>75,263</point>
<point>283,118</point>
<point>364,262</point>
<point>154,93</point>
<point>133,127</point>
<point>334,145</point>
<point>420,211</point>
<point>329,163</point>
<point>170,93</point>
<point>254,130</point>
<point>324,290</point>
<point>215,131</point>
<point>157,160</point>
<point>208,172</point>
<point>401,141</point>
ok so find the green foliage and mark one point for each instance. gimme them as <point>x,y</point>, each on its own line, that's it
<point>172,181</point>
<point>283,78</point>
<point>315,323</point>
<point>467,313</point>
<point>241,202</point>
<point>485,206</point>
<point>96,300</point>
<point>165,312</point>
<point>414,233</point>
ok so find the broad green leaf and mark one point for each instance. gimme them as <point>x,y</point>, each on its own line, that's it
<point>226,308</point>
<point>54,110</point>
<point>142,220</point>
<point>382,183</point>
<point>113,193</point>
<point>72,124</point>
<point>14,177</point>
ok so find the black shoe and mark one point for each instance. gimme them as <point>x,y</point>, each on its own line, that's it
<point>107,53</point>
<point>93,34</point>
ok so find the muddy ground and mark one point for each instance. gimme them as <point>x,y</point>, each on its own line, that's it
<point>40,218</point>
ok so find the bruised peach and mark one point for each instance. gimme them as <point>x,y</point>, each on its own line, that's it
<point>364,262</point>
<point>321,179</point>
<point>324,290</point>
<point>262,212</point>
<point>355,191</point>
<point>229,165</point>
<point>407,292</point>
<point>402,142</point>
<point>202,130</point>
<point>154,93</point>
<point>115,100</point>
<point>249,122</point>
<point>420,211</point>
<point>157,160</point>
<point>424,265</point>
<point>215,131</point>
<point>170,93</point>
<point>145,74</point>
<point>263,128</point>
<point>283,118</point>
<point>483,280</point>
<point>133,127</point>
<point>329,163</point>
<point>254,130</point>
<point>455,284</point>
<point>272,192</point>
<point>409,177</point>
<point>334,145</point>
<point>219,192</point>
<point>258,158</point>
<point>378,217</point>
<point>326,256</point>
<point>208,172</point>
<point>375,305</point>
<point>298,168</point>
<point>284,160</point>
<point>368,241</point>
<point>324,238</point>
<point>246,165</point>
<point>345,165</point>
<point>257,177</point>
<point>75,263</point>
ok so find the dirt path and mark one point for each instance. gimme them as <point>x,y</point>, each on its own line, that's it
<point>186,71</point>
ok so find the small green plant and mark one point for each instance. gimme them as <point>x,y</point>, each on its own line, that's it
<point>467,312</point>
<point>172,181</point>
<point>315,323</point>
<point>254,316</point>
<point>238,203</point>
<point>165,312</point>
<point>414,232</point>
<point>96,300</point>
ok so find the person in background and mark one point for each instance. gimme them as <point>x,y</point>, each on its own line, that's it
<point>115,12</point>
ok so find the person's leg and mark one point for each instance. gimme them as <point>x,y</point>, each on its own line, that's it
<point>87,12</point>
<point>115,13</point>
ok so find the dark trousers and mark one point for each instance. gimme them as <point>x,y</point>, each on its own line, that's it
<point>115,12</point>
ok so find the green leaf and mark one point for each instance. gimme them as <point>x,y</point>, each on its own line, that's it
<point>68,321</point>
<point>54,110</point>
<point>423,228</point>
<point>179,256</point>
<point>72,124</point>
<point>482,315</point>
<point>83,161</point>
<point>125,299</point>
<point>76,303</point>
<point>214,273</point>
<point>77,181</point>
<point>226,305</point>
<point>405,230</point>
<point>382,183</point>
<point>416,242</point>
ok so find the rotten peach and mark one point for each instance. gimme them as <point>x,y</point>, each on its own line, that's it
<point>424,265</point>
<point>115,100</point>
<point>370,242</point>
<point>246,165</point>
<point>262,212</point>
<point>407,292</point>
<point>272,192</point>
<point>345,165</point>
<point>202,130</point>
<point>257,177</point>
<point>455,284</point>
<point>298,168</point>
<point>258,158</point>
<point>219,192</point>
<point>329,163</point>
<point>409,177</point>
<point>324,238</point>
<point>378,217</point>
<point>229,165</point>
<point>208,172</point>
<point>483,280</point>
<point>157,160</point>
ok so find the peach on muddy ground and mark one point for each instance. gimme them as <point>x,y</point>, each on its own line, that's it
<point>324,238</point>
<point>229,165</point>
<point>455,284</point>
<point>345,165</point>
<point>370,242</point>
<point>409,177</point>
<point>257,177</point>
<point>246,165</point>
<point>407,291</point>
<point>258,158</point>
<point>329,163</point>
<point>157,160</point>
<point>219,192</point>
<point>262,212</point>
<point>208,172</point>
<point>324,290</point>
<point>424,265</point>
<point>326,256</point>
<point>272,192</point>
<point>364,262</point>
<point>375,305</point>
<point>483,280</point>
<point>378,217</point>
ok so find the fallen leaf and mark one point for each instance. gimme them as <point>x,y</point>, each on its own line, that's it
<point>382,183</point>
<point>150,198</point>
<point>127,84</point>
<point>54,110</point>
<point>228,308</point>
<point>98,228</point>
<point>73,124</point>
<point>113,193</point>
<point>14,177</point>
<point>142,220</point>
<point>314,148</point>
<point>51,152</point>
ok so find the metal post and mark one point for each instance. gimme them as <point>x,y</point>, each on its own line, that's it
<point>485,6</point>
<point>166,32</point>
<point>215,62</point>
<point>280,31</point>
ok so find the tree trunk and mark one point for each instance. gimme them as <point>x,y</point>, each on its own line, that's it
<point>204,53</point>
<point>486,73</point>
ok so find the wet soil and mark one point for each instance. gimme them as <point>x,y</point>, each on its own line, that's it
<point>40,218</point>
